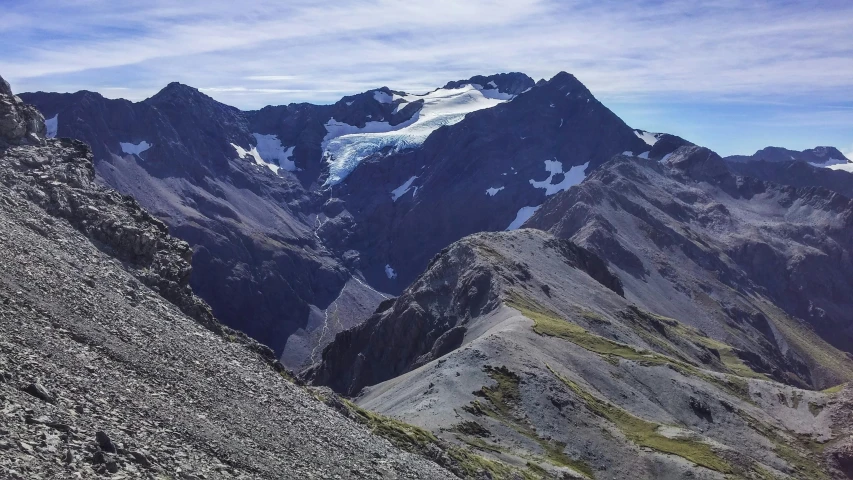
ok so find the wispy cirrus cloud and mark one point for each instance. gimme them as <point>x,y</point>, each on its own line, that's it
<point>629,53</point>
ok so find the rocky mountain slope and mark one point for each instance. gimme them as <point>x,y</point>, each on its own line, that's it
<point>666,313</point>
<point>109,365</point>
<point>485,173</point>
<point>255,257</point>
<point>709,239</point>
<point>801,169</point>
<point>300,215</point>
<point>522,345</point>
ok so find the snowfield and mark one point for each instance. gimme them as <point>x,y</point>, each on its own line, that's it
<point>574,176</point>
<point>269,153</point>
<point>524,214</point>
<point>135,148</point>
<point>345,146</point>
<point>389,272</point>
<point>833,163</point>
<point>52,126</point>
<point>402,189</point>
<point>242,153</point>
<point>382,97</point>
<point>845,166</point>
<point>270,149</point>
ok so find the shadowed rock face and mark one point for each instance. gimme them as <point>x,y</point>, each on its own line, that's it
<point>256,260</point>
<point>274,254</point>
<point>59,177</point>
<point>472,177</point>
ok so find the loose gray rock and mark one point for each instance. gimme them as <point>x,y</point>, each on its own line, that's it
<point>37,390</point>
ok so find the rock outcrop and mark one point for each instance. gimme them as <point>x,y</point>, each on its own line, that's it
<point>59,177</point>
<point>20,124</point>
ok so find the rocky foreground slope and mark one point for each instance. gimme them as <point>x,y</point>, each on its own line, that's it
<point>108,363</point>
<point>674,321</point>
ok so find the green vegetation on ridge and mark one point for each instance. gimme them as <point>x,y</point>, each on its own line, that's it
<point>501,402</point>
<point>420,441</point>
<point>644,433</point>
<point>550,324</point>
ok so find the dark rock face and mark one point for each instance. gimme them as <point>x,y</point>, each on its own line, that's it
<point>667,144</point>
<point>698,162</point>
<point>514,83</point>
<point>471,177</point>
<point>20,124</point>
<point>688,230</point>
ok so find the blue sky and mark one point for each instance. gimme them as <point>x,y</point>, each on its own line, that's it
<point>732,75</point>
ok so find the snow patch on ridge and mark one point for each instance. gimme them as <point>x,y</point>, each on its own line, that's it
<point>847,167</point>
<point>345,146</point>
<point>650,138</point>
<point>402,189</point>
<point>832,162</point>
<point>524,214</point>
<point>52,126</point>
<point>242,153</point>
<point>574,176</point>
<point>135,148</point>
